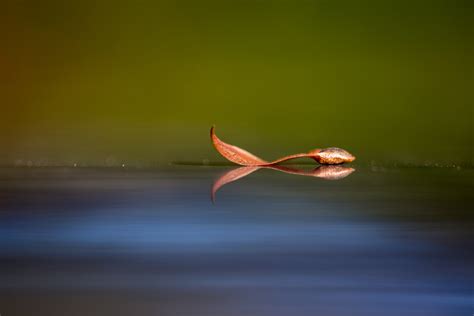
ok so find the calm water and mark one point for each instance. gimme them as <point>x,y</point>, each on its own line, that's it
<point>379,241</point>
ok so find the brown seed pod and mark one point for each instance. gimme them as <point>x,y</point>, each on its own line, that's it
<point>332,156</point>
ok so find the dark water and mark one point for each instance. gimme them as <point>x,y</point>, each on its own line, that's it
<point>381,241</point>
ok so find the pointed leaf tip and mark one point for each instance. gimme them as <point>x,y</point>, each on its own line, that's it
<point>233,153</point>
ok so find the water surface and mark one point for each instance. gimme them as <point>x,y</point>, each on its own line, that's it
<point>119,241</point>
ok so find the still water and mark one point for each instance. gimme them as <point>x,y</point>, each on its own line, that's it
<point>189,240</point>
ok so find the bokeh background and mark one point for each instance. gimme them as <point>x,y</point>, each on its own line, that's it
<point>141,82</point>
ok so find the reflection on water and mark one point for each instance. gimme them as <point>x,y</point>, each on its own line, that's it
<point>132,242</point>
<point>324,172</point>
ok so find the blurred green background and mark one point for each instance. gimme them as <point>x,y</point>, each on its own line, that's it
<point>141,82</point>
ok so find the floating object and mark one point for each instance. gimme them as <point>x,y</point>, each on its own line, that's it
<point>327,156</point>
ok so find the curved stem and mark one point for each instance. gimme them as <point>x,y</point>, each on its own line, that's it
<point>295,156</point>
